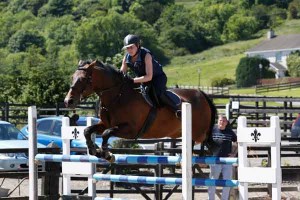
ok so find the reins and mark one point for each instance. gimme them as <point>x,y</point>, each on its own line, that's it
<point>101,93</point>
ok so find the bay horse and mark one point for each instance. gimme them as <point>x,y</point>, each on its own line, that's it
<point>123,110</point>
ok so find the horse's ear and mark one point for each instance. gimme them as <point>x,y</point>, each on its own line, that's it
<point>94,62</point>
<point>99,63</point>
<point>80,63</point>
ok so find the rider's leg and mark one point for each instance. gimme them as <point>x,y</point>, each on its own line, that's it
<point>169,102</point>
<point>160,89</point>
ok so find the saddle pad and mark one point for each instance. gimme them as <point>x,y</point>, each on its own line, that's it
<point>175,98</point>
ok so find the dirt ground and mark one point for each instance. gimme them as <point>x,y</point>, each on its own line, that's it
<point>22,190</point>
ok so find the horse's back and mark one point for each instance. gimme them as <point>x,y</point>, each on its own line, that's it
<point>193,96</point>
<point>203,111</point>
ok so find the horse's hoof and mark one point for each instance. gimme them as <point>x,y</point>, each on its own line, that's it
<point>99,153</point>
<point>112,158</point>
<point>92,151</point>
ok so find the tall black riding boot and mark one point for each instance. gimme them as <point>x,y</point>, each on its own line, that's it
<point>168,101</point>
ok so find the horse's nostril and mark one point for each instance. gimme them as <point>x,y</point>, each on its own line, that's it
<point>68,102</point>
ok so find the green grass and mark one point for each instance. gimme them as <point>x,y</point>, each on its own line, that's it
<point>216,62</point>
<point>221,61</point>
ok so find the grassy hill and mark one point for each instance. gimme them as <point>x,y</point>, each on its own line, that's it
<point>220,61</point>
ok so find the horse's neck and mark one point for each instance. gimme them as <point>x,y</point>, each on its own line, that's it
<point>123,94</point>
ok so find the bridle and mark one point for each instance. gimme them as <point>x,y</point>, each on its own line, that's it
<point>88,81</point>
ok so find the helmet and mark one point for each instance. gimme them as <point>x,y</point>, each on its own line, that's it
<point>130,40</point>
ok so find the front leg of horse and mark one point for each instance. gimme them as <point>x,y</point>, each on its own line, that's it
<point>119,131</point>
<point>104,152</point>
<point>92,147</point>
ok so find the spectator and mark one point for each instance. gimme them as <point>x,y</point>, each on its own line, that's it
<point>295,130</point>
<point>224,136</point>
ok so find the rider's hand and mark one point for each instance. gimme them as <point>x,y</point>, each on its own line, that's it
<point>128,79</point>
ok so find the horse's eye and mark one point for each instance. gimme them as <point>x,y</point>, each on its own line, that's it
<point>83,80</point>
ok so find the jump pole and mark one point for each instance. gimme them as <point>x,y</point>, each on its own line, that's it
<point>186,151</point>
<point>33,177</point>
<point>134,159</point>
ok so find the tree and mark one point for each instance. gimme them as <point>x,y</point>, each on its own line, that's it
<point>277,16</point>
<point>149,11</point>
<point>62,30</point>
<point>239,27</point>
<point>88,8</point>
<point>30,78</point>
<point>10,23</point>
<point>248,72</point>
<point>103,37</point>
<point>294,9</point>
<point>178,33</point>
<point>12,81</point>
<point>293,63</point>
<point>23,39</point>
<point>260,12</point>
<point>32,5</point>
<point>56,8</point>
<point>211,18</point>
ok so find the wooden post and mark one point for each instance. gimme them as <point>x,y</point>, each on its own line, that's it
<point>33,187</point>
<point>259,136</point>
<point>51,180</point>
<point>6,115</point>
<point>159,172</point>
<point>285,115</point>
<point>186,152</point>
<point>57,109</point>
<point>75,169</point>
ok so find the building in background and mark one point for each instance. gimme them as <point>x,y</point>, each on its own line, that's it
<point>276,49</point>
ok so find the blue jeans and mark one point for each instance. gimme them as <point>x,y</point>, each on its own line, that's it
<point>295,131</point>
<point>215,171</point>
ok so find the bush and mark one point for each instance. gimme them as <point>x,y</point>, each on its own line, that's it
<point>221,82</point>
<point>293,62</point>
<point>121,144</point>
<point>248,72</point>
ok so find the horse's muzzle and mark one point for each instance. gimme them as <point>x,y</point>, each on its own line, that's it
<point>69,102</point>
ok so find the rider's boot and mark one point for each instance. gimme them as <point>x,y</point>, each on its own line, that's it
<point>168,101</point>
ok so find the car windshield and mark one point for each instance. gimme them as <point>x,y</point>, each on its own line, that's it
<point>10,132</point>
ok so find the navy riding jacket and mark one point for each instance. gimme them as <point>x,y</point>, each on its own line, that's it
<point>159,79</point>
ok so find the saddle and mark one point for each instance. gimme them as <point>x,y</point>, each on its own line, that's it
<point>150,96</point>
<point>175,98</point>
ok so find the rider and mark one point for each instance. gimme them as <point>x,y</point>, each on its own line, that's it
<point>146,69</point>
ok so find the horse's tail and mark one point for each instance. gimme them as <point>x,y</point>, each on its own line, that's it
<point>209,142</point>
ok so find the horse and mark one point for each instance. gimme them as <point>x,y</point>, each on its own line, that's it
<point>124,111</point>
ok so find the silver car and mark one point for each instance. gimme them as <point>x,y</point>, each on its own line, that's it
<point>13,138</point>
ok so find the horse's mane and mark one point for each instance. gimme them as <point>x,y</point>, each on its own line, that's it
<point>111,70</point>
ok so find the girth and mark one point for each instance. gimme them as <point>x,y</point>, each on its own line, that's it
<point>148,122</point>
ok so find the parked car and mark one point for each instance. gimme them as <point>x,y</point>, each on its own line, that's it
<point>49,131</point>
<point>13,138</point>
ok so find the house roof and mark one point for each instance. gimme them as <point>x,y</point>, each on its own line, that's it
<point>278,66</point>
<point>281,42</point>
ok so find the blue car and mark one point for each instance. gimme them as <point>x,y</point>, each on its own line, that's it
<point>49,131</point>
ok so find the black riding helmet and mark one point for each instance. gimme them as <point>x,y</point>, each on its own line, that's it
<point>130,40</point>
